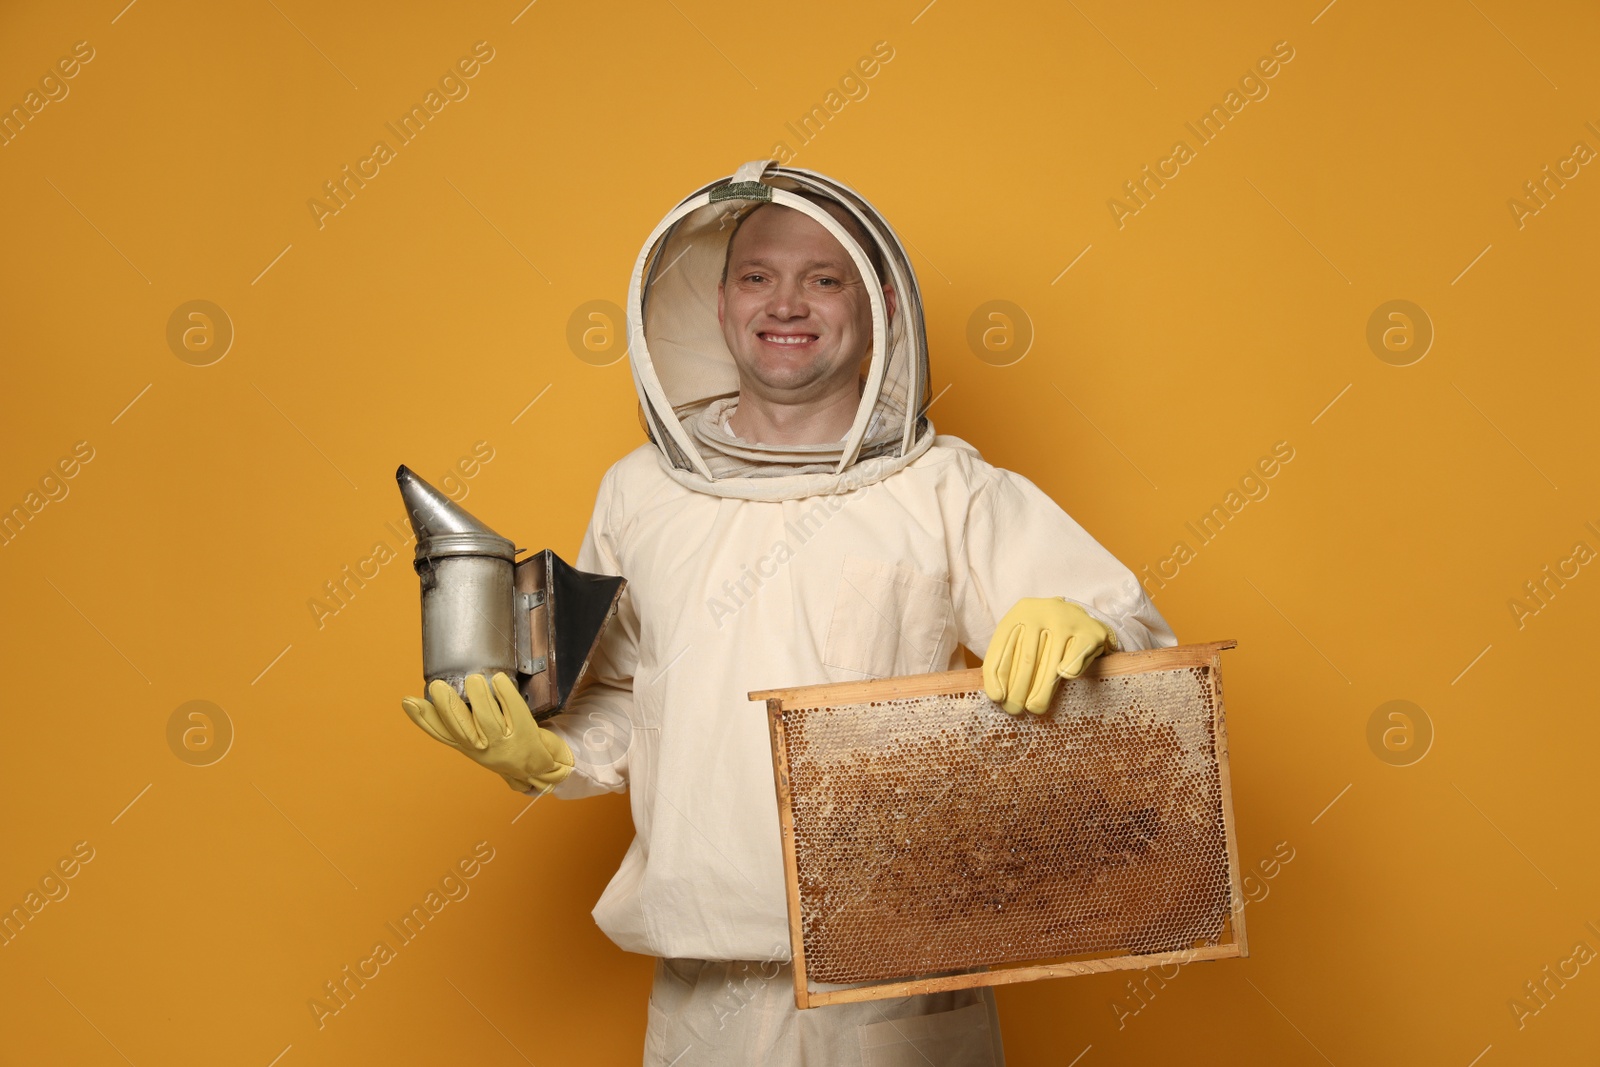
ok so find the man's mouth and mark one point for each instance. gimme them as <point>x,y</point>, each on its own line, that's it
<point>787,340</point>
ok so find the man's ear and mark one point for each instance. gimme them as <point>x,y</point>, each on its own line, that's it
<point>719,301</point>
<point>890,302</point>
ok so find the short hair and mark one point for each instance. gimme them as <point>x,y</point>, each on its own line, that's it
<point>850,222</point>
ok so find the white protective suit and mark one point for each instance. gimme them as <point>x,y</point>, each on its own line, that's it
<point>753,567</point>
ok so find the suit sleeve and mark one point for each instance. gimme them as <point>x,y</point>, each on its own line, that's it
<point>597,723</point>
<point>1016,542</point>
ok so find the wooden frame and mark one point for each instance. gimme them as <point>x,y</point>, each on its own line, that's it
<point>1231,942</point>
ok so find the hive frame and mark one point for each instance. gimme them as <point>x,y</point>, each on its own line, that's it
<point>1231,943</point>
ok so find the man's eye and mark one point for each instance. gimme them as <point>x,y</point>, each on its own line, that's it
<point>828,283</point>
<point>755,277</point>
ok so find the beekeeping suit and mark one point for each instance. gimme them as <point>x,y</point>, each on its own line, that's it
<point>752,566</point>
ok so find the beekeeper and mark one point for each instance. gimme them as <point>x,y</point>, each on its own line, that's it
<point>792,520</point>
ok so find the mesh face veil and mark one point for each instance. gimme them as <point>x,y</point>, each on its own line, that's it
<point>687,379</point>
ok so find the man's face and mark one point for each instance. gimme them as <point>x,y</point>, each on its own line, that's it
<point>793,309</point>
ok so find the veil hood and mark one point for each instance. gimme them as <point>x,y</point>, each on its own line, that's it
<point>687,379</point>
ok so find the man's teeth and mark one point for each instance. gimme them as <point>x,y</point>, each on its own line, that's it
<point>787,339</point>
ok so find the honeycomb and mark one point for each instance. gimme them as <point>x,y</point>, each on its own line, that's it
<point>939,833</point>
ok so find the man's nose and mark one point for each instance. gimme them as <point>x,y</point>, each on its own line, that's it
<point>788,301</point>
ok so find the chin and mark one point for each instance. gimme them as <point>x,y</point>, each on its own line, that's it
<point>787,382</point>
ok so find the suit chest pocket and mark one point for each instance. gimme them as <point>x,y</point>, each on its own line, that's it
<point>888,619</point>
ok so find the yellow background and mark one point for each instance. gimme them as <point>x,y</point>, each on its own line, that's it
<point>1224,317</point>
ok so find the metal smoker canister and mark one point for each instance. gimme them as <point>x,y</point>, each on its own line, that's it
<point>467,572</point>
<point>539,620</point>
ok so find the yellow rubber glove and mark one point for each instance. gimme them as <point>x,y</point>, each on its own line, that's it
<point>1040,640</point>
<point>499,733</point>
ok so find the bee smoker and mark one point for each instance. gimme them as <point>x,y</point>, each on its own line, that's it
<point>538,620</point>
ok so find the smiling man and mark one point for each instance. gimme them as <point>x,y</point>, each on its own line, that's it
<point>778,350</point>
<point>796,318</point>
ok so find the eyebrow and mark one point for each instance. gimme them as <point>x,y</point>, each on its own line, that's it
<point>757,261</point>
